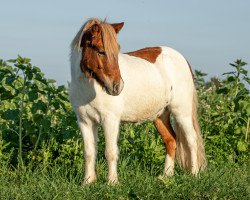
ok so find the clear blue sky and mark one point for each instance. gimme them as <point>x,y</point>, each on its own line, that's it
<point>210,34</point>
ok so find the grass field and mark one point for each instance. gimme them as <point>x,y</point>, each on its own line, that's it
<point>227,181</point>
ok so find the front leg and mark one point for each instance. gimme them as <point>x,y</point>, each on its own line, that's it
<point>89,134</point>
<point>111,131</point>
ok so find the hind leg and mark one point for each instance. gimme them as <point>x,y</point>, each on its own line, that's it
<point>186,124</point>
<point>166,131</point>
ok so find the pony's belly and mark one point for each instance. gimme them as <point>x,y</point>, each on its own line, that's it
<point>140,110</point>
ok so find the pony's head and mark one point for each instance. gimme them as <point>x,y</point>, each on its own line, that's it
<point>100,48</point>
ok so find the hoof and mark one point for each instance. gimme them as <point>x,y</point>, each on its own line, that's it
<point>168,173</point>
<point>195,171</point>
<point>113,181</point>
<point>88,181</point>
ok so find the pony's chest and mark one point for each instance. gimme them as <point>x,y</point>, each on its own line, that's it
<point>87,112</point>
<point>100,108</point>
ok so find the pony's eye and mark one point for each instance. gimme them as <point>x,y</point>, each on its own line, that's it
<point>101,52</point>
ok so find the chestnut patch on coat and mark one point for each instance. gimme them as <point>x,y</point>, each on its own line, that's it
<point>149,53</point>
<point>167,133</point>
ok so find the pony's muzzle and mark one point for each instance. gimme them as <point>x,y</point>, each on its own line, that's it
<point>116,88</point>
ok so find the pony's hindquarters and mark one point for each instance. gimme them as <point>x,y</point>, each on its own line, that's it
<point>190,152</point>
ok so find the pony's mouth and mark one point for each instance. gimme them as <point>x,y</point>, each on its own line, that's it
<point>113,90</point>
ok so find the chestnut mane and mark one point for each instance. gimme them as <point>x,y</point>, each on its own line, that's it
<point>109,38</point>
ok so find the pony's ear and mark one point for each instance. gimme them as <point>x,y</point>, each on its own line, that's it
<point>117,26</point>
<point>95,28</point>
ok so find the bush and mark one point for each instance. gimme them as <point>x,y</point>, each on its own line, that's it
<point>224,114</point>
<point>37,125</point>
<point>33,111</point>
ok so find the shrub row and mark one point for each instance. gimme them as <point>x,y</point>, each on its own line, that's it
<point>37,125</point>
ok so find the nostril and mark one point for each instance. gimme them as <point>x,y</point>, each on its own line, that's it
<point>116,87</point>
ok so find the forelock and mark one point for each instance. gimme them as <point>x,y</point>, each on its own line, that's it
<point>110,41</point>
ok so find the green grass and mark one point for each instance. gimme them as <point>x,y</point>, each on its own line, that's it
<point>225,181</point>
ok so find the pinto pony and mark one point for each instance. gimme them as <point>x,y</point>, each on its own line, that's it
<point>108,87</point>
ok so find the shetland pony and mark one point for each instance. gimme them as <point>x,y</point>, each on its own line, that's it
<point>108,87</point>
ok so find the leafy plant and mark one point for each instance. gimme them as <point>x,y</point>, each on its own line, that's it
<point>32,108</point>
<point>224,114</point>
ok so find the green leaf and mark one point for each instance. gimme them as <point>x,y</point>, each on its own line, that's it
<point>6,95</point>
<point>38,77</point>
<point>39,106</point>
<point>51,81</point>
<point>227,73</point>
<point>241,146</point>
<point>56,105</point>
<point>231,79</point>
<point>28,126</point>
<point>29,75</point>
<point>61,88</point>
<point>45,123</point>
<point>38,118</point>
<point>63,97</point>
<point>27,60</point>
<point>247,79</point>
<point>223,90</point>
<point>36,70</point>
<point>199,73</point>
<point>11,114</point>
<point>20,66</point>
<point>12,60</point>
<point>10,79</point>
<point>9,89</point>
<point>243,71</point>
<point>33,95</point>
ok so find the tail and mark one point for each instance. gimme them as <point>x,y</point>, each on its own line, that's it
<point>182,151</point>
